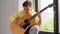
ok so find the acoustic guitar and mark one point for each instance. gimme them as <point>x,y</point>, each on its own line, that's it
<point>28,20</point>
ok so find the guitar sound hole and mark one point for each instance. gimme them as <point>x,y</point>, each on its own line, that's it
<point>27,23</point>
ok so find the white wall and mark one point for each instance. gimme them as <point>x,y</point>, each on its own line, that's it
<point>59,13</point>
<point>7,8</point>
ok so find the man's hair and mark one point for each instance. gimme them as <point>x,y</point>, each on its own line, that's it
<point>26,3</point>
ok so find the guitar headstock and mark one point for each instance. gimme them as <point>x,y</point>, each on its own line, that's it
<point>50,5</point>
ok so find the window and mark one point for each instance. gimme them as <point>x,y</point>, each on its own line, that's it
<point>47,16</point>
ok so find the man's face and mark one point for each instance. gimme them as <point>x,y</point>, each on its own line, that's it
<point>27,8</point>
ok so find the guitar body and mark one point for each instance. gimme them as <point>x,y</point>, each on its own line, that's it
<point>16,29</point>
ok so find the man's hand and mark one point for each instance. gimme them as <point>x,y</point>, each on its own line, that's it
<point>15,21</point>
<point>39,16</point>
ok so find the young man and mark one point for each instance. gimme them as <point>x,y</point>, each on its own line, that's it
<point>27,9</point>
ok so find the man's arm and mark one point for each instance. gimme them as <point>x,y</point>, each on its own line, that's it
<point>39,16</point>
<point>13,18</point>
<point>38,19</point>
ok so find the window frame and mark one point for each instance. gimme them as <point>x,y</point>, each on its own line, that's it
<point>55,17</point>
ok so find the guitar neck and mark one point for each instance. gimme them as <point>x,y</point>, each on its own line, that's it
<point>38,13</point>
<point>42,10</point>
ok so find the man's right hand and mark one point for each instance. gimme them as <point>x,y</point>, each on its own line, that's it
<point>15,21</point>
